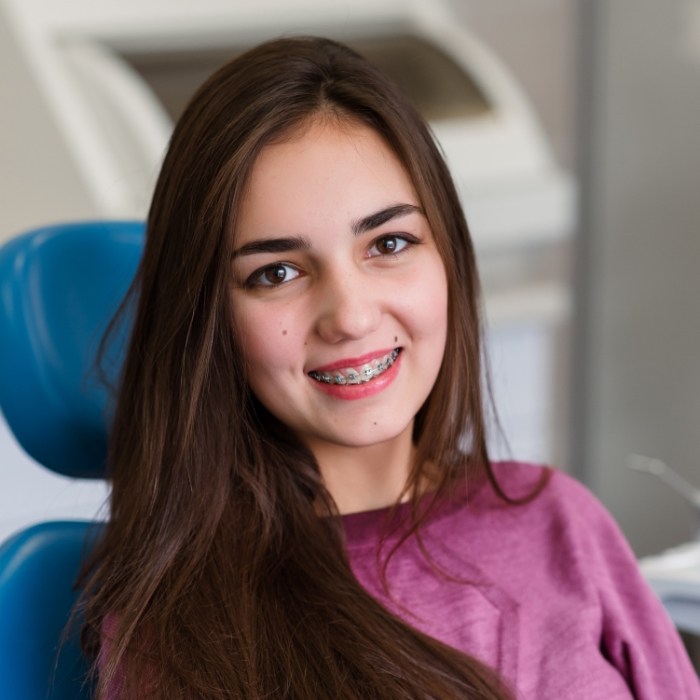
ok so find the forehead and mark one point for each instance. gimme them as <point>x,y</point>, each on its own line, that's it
<point>324,175</point>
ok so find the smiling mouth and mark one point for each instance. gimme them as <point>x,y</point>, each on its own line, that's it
<point>358,375</point>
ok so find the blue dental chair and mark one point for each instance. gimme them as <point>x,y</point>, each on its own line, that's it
<point>59,287</point>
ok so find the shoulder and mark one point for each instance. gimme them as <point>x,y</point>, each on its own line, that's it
<point>584,564</point>
<point>566,529</point>
<point>564,510</point>
<point>560,491</point>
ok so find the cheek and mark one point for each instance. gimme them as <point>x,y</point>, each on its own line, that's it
<point>269,341</point>
<point>428,304</point>
<point>436,296</point>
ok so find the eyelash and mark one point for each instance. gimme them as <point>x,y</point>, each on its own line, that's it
<point>254,280</point>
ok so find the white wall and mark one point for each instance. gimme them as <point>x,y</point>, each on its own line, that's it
<point>30,494</point>
<point>639,360</point>
<point>37,179</point>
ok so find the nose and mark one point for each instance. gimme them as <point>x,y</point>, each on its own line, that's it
<point>349,307</point>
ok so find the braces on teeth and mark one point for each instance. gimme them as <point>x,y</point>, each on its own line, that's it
<point>355,377</point>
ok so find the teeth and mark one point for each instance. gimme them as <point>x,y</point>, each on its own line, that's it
<point>363,374</point>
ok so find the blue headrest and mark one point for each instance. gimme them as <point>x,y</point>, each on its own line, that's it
<point>38,567</point>
<point>59,288</point>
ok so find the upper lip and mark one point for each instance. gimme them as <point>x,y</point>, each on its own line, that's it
<point>353,361</point>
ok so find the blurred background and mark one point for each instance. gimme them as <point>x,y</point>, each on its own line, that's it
<point>571,128</point>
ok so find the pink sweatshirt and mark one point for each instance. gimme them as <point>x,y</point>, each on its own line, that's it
<point>549,593</point>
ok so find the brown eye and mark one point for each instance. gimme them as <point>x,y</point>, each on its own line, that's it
<point>392,245</point>
<point>273,275</point>
<point>388,245</point>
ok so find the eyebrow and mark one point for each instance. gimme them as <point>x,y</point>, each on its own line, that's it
<point>295,243</point>
<point>382,216</point>
<point>273,245</point>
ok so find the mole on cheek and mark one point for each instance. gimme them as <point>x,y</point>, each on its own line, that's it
<point>284,332</point>
<point>396,338</point>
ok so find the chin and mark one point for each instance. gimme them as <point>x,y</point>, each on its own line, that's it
<point>373,436</point>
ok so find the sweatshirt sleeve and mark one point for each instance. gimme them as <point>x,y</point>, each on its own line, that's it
<point>637,635</point>
<point>109,626</point>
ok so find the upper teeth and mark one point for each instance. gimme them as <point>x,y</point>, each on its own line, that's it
<point>352,375</point>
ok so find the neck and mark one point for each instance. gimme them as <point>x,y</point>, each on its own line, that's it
<point>368,477</point>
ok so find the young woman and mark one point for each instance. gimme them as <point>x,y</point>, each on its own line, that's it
<point>303,505</point>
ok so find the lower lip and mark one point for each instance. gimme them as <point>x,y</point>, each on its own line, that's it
<point>352,392</point>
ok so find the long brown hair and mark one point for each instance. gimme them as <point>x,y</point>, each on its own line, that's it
<point>223,568</point>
